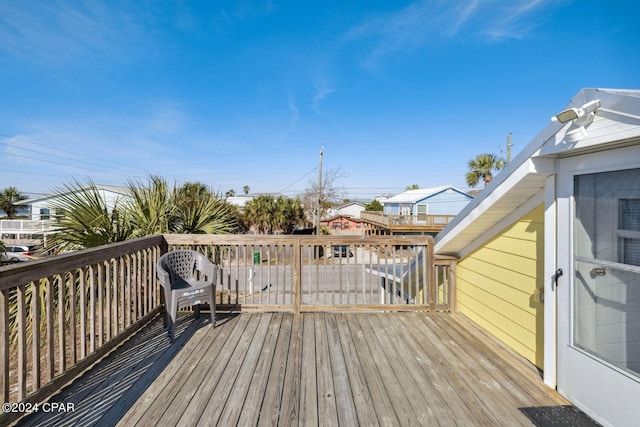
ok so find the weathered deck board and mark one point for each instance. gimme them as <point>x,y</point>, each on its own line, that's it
<point>384,369</point>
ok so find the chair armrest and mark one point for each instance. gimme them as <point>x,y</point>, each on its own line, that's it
<point>163,275</point>
<point>206,267</point>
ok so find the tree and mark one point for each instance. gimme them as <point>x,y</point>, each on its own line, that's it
<point>246,189</point>
<point>9,201</point>
<point>270,215</point>
<point>155,207</point>
<point>230,193</point>
<point>482,167</point>
<point>87,221</point>
<point>152,209</point>
<point>375,205</point>
<point>201,212</point>
<point>190,192</point>
<point>413,187</point>
<point>328,196</point>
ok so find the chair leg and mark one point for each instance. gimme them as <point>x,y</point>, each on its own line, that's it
<point>174,315</point>
<point>212,305</point>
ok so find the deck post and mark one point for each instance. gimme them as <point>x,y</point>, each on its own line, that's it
<point>431,274</point>
<point>453,265</point>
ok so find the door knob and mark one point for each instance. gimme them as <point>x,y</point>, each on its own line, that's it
<point>599,271</point>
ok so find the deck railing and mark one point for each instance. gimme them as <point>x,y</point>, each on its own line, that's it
<point>89,301</point>
<point>421,220</point>
<point>58,315</point>
<point>325,273</point>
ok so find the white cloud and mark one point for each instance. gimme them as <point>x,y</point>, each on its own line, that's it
<point>318,98</point>
<point>426,22</point>
<point>57,32</point>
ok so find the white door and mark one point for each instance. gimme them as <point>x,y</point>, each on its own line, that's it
<point>598,305</point>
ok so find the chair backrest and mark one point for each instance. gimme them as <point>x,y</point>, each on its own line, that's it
<point>180,264</point>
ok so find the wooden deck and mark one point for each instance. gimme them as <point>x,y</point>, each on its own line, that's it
<point>396,369</point>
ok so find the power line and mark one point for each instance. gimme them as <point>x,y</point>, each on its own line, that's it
<point>17,138</point>
<point>61,157</point>
<point>299,179</point>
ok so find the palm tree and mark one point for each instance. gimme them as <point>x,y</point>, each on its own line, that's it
<point>269,215</point>
<point>190,192</point>
<point>87,221</point>
<point>205,215</point>
<point>9,198</point>
<point>246,189</point>
<point>482,167</point>
<point>152,209</point>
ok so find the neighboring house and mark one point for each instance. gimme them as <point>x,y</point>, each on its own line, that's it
<point>549,254</point>
<point>41,208</point>
<point>422,211</point>
<point>345,225</point>
<point>41,212</point>
<point>444,200</point>
<point>239,201</point>
<point>352,209</point>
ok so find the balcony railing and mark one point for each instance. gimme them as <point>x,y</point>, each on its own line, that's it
<point>58,315</point>
<point>420,221</point>
<point>26,226</point>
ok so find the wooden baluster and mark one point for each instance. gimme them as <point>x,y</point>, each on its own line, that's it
<point>73,336</point>
<point>82,287</point>
<point>21,318</point>
<point>92,309</point>
<point>35,335</point>
<point>4,343</point>
<point>62,347</point>
<point>49,328</point>
<point>109,284</point>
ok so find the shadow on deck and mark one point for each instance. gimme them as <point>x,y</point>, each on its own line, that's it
<point>323,369</point>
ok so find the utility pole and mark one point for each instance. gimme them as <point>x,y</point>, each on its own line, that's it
<point>509,145</point>
<point>319,192</point>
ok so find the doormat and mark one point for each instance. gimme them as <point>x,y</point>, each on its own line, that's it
<point>552,416</point>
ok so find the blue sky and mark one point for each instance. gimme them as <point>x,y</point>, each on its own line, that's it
<point>235,93</point>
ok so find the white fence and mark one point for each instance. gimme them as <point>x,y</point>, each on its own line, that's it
<point>23,228</point>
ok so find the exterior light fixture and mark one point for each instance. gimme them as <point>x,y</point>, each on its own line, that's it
<point>579,116</point>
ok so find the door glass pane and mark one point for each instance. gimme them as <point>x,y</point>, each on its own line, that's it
<point>606,297</point>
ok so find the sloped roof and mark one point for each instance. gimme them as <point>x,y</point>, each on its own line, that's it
<point>413,196</point>
<point>616,124</point>
<point>344,205</point>
<point>110,188</point>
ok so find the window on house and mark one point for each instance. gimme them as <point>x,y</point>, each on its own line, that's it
<point>45,213</point>
<point>423,209</point>
<point>345,225</point>
<point>629,231</point>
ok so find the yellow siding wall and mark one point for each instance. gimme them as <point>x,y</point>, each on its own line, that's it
<point>497,286</point>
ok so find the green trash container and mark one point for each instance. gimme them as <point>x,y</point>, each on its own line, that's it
<point>256,257</point>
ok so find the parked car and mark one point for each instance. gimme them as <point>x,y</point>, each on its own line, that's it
<point>18,253</point>
<point>342,251</point>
